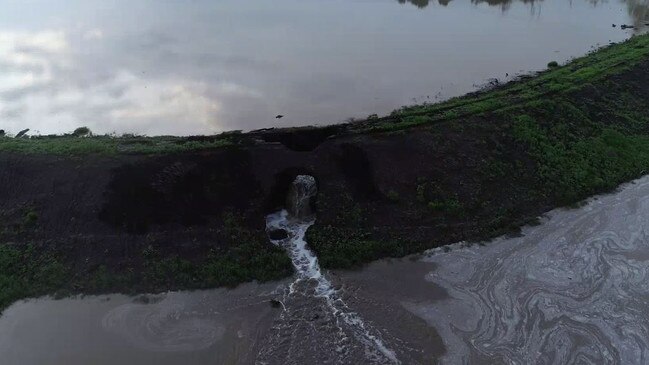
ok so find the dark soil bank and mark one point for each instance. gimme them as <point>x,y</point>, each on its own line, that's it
<point>469,169</point>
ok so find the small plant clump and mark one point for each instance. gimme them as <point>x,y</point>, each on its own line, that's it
<point>82,132</point>
<point>393,196</point>
<point>553,64</point>
<point>30,218</point>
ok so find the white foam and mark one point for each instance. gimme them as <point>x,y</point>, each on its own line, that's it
<point>307,268</point>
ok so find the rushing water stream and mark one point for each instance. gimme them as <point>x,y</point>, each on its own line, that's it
<point>339,332</point>
<point>573,290</point>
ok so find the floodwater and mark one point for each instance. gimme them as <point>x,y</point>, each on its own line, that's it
<point>199,67</point>
<point>574,289</point>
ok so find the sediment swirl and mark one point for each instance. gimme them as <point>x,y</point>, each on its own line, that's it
<point>572,290</point>
<point>167,325</point>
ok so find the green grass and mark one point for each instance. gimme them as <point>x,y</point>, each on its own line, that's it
<point>579,73</point>
<point>27,271</point>
<point>344,247</point>
<point>572,167</point>
<point>108,145</point>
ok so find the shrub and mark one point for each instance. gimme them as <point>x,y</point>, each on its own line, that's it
<point>82,132</point>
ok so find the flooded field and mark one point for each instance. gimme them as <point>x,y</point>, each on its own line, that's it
<point>571,290</point>
<point>178,67</point>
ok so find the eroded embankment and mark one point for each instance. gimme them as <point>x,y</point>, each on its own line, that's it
<point>468,169</point>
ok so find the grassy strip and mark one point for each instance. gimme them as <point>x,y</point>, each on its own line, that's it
<point>108,145</point>
<point>27,272</point>
<point>574,169</point>
<point>558,81</point>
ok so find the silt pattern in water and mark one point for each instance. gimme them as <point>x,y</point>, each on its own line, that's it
<point>573,290</point>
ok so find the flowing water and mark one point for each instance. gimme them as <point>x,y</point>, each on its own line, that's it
<point>191,67</point>
<point>573,290</point>
<point>328,325</point>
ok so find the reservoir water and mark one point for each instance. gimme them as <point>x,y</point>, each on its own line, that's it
<point>199,67</point>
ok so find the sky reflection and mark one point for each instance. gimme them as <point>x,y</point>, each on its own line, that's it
<point>179,67</point>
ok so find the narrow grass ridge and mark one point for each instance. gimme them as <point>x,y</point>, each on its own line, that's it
<point>111,145</point>
<point>555,82</point>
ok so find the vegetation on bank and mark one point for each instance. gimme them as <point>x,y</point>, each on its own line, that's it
<point>28,271</point>
<point>571,132</point>
<point>80,143</point>
<point>555,82</point>
<point>561,137</point>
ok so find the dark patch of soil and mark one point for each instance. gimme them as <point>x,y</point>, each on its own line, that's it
<point>299,139</point>
<point>277,234</point>
<point>184,190</point>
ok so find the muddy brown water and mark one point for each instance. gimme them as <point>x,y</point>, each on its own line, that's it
<point>195,67</point>
<point>571,290</point>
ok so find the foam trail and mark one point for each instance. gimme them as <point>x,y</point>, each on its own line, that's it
<point>307,268</point>
<point>310,281</point>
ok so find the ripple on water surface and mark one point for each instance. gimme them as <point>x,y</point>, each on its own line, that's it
<point>164,326</point>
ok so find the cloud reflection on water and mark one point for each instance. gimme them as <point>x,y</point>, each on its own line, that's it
<point>178,68</point>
